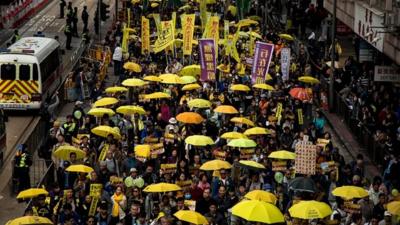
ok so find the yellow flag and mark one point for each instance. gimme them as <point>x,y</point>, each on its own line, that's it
<point>157,20</point>
<point>187,31</point>
<point>226,29</point>
<point>145,34</point>
<point>165,36</point>
<point>212,31</point>
<point>125,36</point>
<point>203,13</point>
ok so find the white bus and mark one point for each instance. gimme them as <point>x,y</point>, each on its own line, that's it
<point>30,72</point>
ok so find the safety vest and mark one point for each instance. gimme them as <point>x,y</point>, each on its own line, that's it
<point>22,161</point>
<point>67,29</point>
<point>17,37</point>
<point>69,127</point>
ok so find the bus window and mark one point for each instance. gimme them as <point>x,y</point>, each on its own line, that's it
<point>7,72</point>
<point>24,72</point>
<point>35,75</point>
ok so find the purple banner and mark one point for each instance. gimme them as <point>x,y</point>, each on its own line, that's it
<point>207,59</point>
<point>262,58</point>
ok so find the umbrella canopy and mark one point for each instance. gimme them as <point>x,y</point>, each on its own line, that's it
<point>99,112</point>
<point>242,143</point>
<point>246,22</point>
<point>157,95</point>
<point>242,120</point>
<point>215,164</point>
<point>162,187</point>
<point>199,103</point>
<point>233,135</point>
<point>191,217</point>
<point>287,37</point>
<point>350,192</point>
<point>310,210</point>
<point>256,131</point>
<point>337,64</point>
<point>143,150</point>
<point>189,117</point>
<point>192,70</point>
<point>104,131</point>
<point>189,87</point>
<point>258,211</point>
<point>152,78</point>
<point>394,207</point>
<point>105,101</point>
<point>226,109</point>
<point>170,78</point>
<point>30,220</point>
<point>240,87</point>
<point>300,93</point>
<point>232,9</point>
<point>133,82</point>
<point>188,79</point>
<point>304,184</point>
<point>254,34</point>
<point>264,87</point>
<point>251,163</point>
<point>131,109</point>
<point>116,89</point>
<point>199,140</point>
<point>79,169</point>
<point>309,79</point>
<point>133,67</point>
<point>282,154</point>
<point>261,195</point>
<point>31,193</point>
<point>64,151</point>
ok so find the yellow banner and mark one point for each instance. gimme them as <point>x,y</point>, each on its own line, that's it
<point>165,37</point>
<point>300,116</point>
<point>103,152</point>
<point>145,34</point>
<point>168,168</point>
<point>95,190</point>
<point>212,29</point>
<point>187,31</point>
<point>93,206</point>
<point>279,111</point>
<point>125,36</point>
<point>157,20</point>
<point>203,13</point>
<point>226,29</point>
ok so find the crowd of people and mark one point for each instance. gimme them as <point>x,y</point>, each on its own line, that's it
<point>121,175</point>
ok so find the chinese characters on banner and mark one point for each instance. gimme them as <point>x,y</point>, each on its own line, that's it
<point>188,30</point>
<point>165,37</point>
<point>207,59</point>
<point>285,63</point>
<point>262,58</point>
<point>145,34</point>
<point>212,30</point>
<point>306,154</point>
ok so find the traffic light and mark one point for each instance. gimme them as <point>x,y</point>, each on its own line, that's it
<point>104,11</point>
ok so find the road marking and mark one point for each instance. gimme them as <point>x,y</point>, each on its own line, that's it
<point>61,28</point>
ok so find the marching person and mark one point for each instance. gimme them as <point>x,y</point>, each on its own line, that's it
<point>22,162</point>
<point>62,7</point>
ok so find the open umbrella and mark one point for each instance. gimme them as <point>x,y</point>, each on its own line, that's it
<point>162,187</point>
<point>350,192</point>
<point>152,78</point>
<point>258,211</point>
<point>170,79</point>
<point>79,169</point>
<point>116,89</point>
<point>191,217</point>
<point>157,95</point>
<point>105,102</point>
<point>233,135</point>
<point>143,151</point>
<point>246,22</point>
<point>199,140</point>
<point>300,93</point>
<point>31,193</point>
<point>261,195</point>
<point>99,112</point>
<point>240,87</point>
<point>287,37</point>
<point>189,118</point>
<point>192,70</point>
<point>254,34</point>
<point>252,163</point>
<point>308,79</point>
<point>215,164</point>
<point>282,154</point>
<point>394,207</point>
<point>188,79</point>
<point>189,87</point>
<point>264,87</point>
<point>133,82</point>
<point>133,67</point>
<point>242,143</point>
<point>64,151</point>
<point>30,220</point>
<point>104,131</point>
<point>232,9</point>
<point>226,109</point>
<point>309,210</point>
<point>199,103</point>
<point>131,109</point>
<point>256,131</point>
<point>304,184</point>
<point>242,120</point>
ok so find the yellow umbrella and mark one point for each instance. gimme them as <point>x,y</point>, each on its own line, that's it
<point>192,70</point>
<point>256,131</point>
<point>394,207</point>
<point>189,118</point>
<point>287,37</point>
<point>105,101</point>
<point>184,7</point>
<point>170,79</point>
<point>104,131</point>
<point>215,164</point>
<point>242,143</point>
<point>64,152</point>
<point>309,210</point>
<point>157,95</point>
<point>99,112</point>
<point>189,87</point>
<point>133,67</point>
<point>191,217</point>
<point>131,109</point>
<point>226,109</point>
<point>337,64</point>
<point>143,150</point>
<point>309,79</point>
<point>188,79</point>
<point>232,9</point>
<point>116,89</point>
<point>30,220</point>
<point>243,34</point>
<point>31,193</point>
<point>152,78</point>
<point>257,18</point>
<point>199,140</point>
<point>252,164</point>
<point>233,135</point>
<point>240,87</point>
<point>264,87</point>
<point>199,103</point>
<point>133,82</point>
<point>261,195</point>
<point>268,77</point>
<point>154,4</point>
<point>282,154</point>
<point>79,169</point>
<point>246,22</point>
<point>258,211</point>
<point>350,192</point>
<point>161,187</point>
<point>242,120</point>
<point>254,34</point>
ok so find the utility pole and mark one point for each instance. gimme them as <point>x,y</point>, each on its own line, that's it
<point>333,50</point>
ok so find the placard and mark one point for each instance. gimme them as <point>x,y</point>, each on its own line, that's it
<point>352,208</point>
<point>183,184</point>
<point>95,190</point>
<point>279,165</point>
<point>306,154</point>
<point>190,204</point>
<point>246,154</point>
<point>168,168</point>
<point>262,58</point>
<point>387,74</point>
